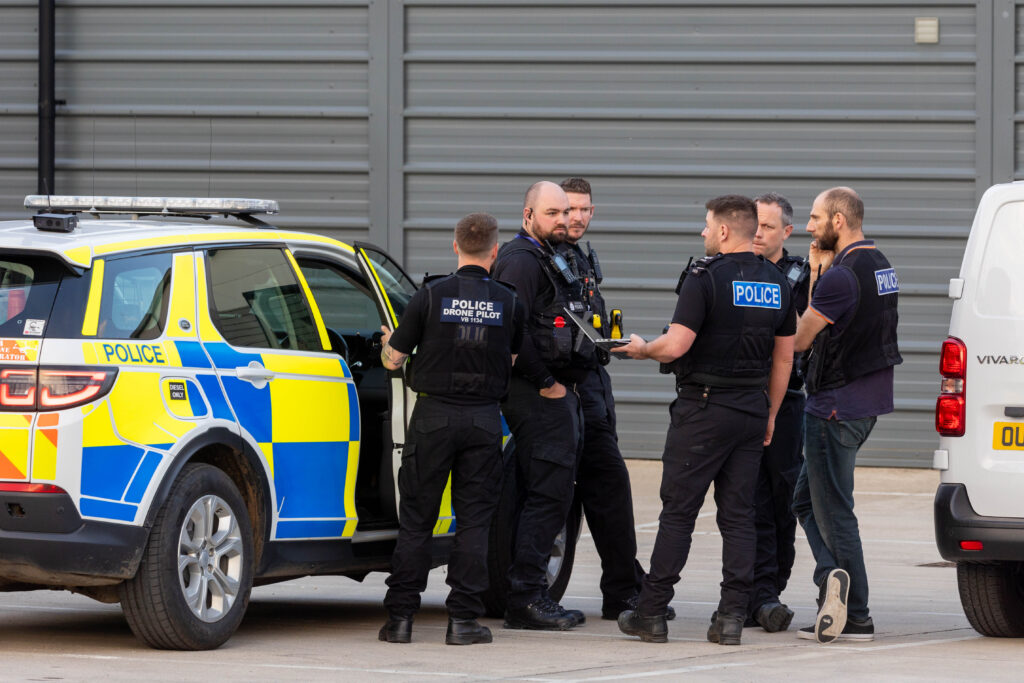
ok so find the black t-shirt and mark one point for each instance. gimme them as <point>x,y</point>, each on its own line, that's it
<point>696,299</point>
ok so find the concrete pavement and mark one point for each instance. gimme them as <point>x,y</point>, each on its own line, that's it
<point>325,628</point>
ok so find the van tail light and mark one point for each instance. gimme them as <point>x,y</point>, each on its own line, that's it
<point>951,406</point>
<point>34,389</point>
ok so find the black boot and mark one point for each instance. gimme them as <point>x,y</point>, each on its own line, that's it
<point>396,630</point>
<point>650,629</point>
<point>538,616</point>
<point>773,616</point>
<point>725,629</point>
<point>611,609</point>
<point>466,632</point>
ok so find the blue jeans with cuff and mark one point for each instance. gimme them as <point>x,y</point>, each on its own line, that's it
<point>823,502</point>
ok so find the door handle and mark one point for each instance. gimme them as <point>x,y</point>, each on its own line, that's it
<point>255,373</point>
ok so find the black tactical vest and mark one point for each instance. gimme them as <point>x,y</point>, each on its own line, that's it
<point>587,269</point>
<point>465,350</point>
<point>559,343</point>
<point>733,348</point>
<point>797,272</point>
<point>868,342</point>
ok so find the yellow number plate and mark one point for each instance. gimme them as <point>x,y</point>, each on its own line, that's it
<point>1008,436</point>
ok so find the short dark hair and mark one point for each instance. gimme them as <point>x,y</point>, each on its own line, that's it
<point>738,211</point>
<point>576,185</point>
<point>781,202</point>
<point>845,201</point>
<point>476,234</point>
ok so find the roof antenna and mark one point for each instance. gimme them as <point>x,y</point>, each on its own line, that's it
<point>49,206</point>
<point>209,169</point>
<point>135,150</point>
<point>94,159</point>
<point>94,168</point>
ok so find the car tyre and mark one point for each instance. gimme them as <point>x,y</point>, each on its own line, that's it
<point>194,580</point>
<point>502,535</point>
<point>992,595</point>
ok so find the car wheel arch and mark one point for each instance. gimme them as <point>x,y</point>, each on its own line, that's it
<point>228,452</point>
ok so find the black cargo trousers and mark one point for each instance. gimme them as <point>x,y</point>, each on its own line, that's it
<point>603,489</point>
<point>547,441</point>
<point>465,441</point>
<point>775,521</point>
<point>705,444</point>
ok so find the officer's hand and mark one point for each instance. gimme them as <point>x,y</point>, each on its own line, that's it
<point>385,335</point>
<point>636,348</point>
<point>556,390</point>
<point>819,258</point>
<point>769,432</point>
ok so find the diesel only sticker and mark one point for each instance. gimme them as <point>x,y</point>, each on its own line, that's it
<point>470,311</point>
<point>177,390</point>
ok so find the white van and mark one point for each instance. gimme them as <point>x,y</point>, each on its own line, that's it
<point>979,414</point>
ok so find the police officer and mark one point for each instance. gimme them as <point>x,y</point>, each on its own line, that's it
<point>732,333</point>
<point>775,522</point>
<point>467,330</point>
<point>542,408</point>
<point>602,480</point>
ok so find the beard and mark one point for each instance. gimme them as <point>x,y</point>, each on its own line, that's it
<point>828,239</point>
<point>711,247</point>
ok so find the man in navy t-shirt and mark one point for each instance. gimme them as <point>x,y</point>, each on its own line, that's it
<point>850,327</point>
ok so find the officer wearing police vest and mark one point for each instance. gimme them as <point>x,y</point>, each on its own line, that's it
<point>732,333</point>
<point>775,522</point>
<point>466,329</point>
<point>850,327</point>
<point>542,409</point>
<point>602,480</point>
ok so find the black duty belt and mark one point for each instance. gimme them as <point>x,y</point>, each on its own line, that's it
<point>701,379</point>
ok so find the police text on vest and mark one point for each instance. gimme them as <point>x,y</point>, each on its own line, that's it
<point>887,282</point>
<point>471,311</point>
<point>756,294</point>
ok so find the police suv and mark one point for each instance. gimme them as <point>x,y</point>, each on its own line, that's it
<point>979,506</point>
<point>189,409</point>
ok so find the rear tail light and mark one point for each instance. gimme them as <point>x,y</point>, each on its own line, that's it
<point>951,406</point>
<point>52,388</point>
<point>30,488</point>
<point>18,388</point>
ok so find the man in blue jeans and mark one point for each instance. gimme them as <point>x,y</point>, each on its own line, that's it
<point>850,327</point>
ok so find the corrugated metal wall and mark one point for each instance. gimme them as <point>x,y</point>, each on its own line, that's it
<point>389,120</point>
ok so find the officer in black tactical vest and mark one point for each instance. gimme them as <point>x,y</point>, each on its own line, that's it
<point>602,480</point>
<point>542,409</point>
<point>776,523</point>
<point>466,329</point>
<point>732,333</point>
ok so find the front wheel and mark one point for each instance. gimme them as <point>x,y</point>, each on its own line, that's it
<point>502,536</point>
<point>193,583</point>
<point>992,595</point>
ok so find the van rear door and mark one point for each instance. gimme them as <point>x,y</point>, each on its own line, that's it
<point>988,316</point>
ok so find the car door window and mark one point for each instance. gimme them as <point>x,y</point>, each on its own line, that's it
<point>346,303</point>
<point>256,300</point>
<point>135,297</point>
<point>396,284</point>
